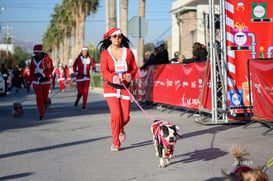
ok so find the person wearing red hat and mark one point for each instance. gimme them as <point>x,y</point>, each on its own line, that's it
<point>60,71</point>
<point>41,68</point>
<point>118,68</point>
<point>81,67</point>
<point>68,72</point>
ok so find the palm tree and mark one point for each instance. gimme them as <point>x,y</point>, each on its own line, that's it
<point>61,24</point>
<point>112,14</point>
<point>68,20</point>
<point>124,16</point>
<point>107,15</point>
<point>81,9</point>
<point>67,23</point>
<point>51,40</point>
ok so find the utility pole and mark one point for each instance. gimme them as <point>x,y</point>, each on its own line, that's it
<point>8,38</point>
<point>1,9</point>
<point>141,40</point>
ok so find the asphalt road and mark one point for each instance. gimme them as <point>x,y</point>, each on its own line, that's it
<point>74,145</point>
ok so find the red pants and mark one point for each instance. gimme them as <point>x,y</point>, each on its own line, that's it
<point>119,109</point>
<point>41,92</point>
<point>61,85</point>
<point>83,88</point>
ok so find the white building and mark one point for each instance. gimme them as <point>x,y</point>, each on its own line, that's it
<point>190,19</point>
<point>7,47</point>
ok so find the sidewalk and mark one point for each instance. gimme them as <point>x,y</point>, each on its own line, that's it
<point>74,145</point>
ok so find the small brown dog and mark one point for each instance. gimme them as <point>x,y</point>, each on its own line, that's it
<point>242,172</point>
<point>17,109</point>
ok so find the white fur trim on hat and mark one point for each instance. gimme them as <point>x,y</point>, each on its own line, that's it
<point>84,48</point>
<point>118,32</point>
<point>38,48</point>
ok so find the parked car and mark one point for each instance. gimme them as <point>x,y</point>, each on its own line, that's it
<point>3,89</point>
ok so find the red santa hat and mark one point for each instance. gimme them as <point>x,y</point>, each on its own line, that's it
<point>38,48</point>
<point>113,31</point>
<point>85,48</point>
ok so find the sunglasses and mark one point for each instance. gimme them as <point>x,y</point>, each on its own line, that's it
<point>117,36</point>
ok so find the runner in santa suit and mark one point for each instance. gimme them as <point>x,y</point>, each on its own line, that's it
<point>60,71</point>
<point>41,68</point>
<point>68,72</point>
<point>26,75</point>
<point>81,67</point>
<point>118,66</point>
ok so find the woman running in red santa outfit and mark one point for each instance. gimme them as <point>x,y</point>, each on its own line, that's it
<point>81,68</point>
<point>41,68</point>
<point>68,72</point>
<point>60,71</point>
<point>118,66</point>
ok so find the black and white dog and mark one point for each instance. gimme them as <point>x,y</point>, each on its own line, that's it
<point>17,109</point>
<point>164,137</point>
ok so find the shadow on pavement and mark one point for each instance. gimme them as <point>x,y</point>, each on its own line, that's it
<point>136,145</point>
<point>198,155</point>
<point>16,176</point>
<point>51,147</point>
<point>212,130</point>
<point>62,107</point>
<point>216,179</point>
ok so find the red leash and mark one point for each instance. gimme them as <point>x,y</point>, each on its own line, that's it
<point>141,107</point>
<point>137,103</point>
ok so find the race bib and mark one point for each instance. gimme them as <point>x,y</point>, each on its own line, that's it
<point>120,67</point>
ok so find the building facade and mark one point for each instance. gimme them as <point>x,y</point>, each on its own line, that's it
<point>190,20</point>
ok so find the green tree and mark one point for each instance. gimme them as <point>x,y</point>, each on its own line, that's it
<point>68,23</point>
<point>95,53</point>
<point>20,57</point>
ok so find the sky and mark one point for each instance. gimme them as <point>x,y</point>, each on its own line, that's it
<point>28,20</point>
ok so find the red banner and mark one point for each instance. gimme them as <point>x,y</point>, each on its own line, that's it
<point>262,88</point>
<point>249,26</point>
<point>173,84</point>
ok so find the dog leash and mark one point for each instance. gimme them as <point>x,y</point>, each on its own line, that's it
<point>137,103</point>
<point>141,107</point>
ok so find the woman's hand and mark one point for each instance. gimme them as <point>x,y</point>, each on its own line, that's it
<point>116,80</point>
<point>127,77</point>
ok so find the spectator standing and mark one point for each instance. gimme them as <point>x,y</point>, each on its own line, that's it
<point>41,68</point>
<point>199,52</point>
<point>118,68</point>
<point>17,78</point>
<point>179,59</point>
<point>175,58</point>
<point>160,55</point>
<point>81,67</point>
<point>147,56</point>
